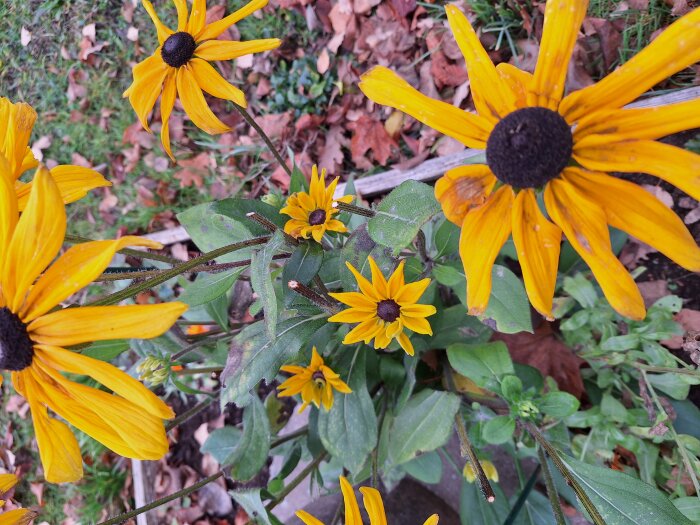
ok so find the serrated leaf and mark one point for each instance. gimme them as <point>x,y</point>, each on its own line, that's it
<point>261,280</point>
<point>402,213</point>
<point>251,452</point>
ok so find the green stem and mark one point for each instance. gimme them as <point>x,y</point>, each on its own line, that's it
<point>200,370</point>
<point>208,340</point>
<point>187,414</point>
<point>271,227</point>
<point>162,501</point>
<point>76,239</point>
<point>251,121</point>
<point>288,437</point>
<point>551,489</point>
<point>134,289</point>
<point>296,481</point>
<point>522,497</point>
<point>661,369</point>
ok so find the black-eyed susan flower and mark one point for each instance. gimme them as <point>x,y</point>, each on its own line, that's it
<point>16,123</point>
<point>525,125</point>
<point>35,331</point>
<point>312,213</point>
<point>489,469</point>
<point>384,308</point>
<point>16,516</point>
<point>372,500</point>
<point>180,68</point>
<point>315,383</point>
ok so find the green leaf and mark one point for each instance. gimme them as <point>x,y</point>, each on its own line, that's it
<point>298,181</point>
<point>221,443</point>
<point>253,356</point>
<point>261,280</point>
<point>558,404</point>
<point>106,350</point>
<point>613,409</point>
<point>675,385</point>
<point>251,453</point>
<point>483,363</point>
<point>622,499</point>
<point>620,343</point>
<point>424,424</point>
<point>218,310</point>
<point>356,250</point>
<point>453,325</point>
<point>689,506</point>
<point>511,387</point>
<point>475,510</point>
<point>509,308</point>
<point>402,213</point>
<point>302,266</point>
<point>426,467</point>
<point>250,500</point>
<point>581,289</point>
<point>447,239</point>
<point>349,429</point>
<point>209,286</point>
<point>498,430</point>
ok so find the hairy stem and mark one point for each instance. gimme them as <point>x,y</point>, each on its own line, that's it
<point>251,121</point>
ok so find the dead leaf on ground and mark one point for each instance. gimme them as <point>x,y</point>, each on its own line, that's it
<point>370,135</point>
<point>194,170</point>
<point>331,156</point>
<point>689,321</point>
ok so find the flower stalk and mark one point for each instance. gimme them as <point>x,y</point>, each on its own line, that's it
<point>351,208</point>
<point>312,296</point>
<point>251,121</point>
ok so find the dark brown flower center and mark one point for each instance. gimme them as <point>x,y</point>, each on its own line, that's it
<point>529,147</point>
<point>388,310</point>
<point>319,378</point>
<point>178,49</point>
<point>16,348</point>
<point>317,217</point>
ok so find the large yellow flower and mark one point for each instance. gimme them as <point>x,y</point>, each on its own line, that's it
<point>373,505</point>
<point>16,123</point>
<point>17,516</point>
<point>312,213</point>
<point>315,383</point>
<point>525,126</point>
<point>384,308</point>
<point>34,332</point>
<point>180,67</point>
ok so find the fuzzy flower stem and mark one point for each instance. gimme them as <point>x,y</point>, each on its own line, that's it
<point>191,412</point>
<point>312,296</point>
<point>272,228</point>
<point>351,208</point>
<point>251,121</point>
<point>551,489</point>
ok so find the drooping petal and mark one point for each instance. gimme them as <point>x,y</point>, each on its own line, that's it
<point>167,103</point>
<point>417,324</point>
<point>214,29</point>
<point>74,270</point>
<point>364,331</point>
<point>181,6</point>
<point>36,240</point>
<point>7,481</point>
<point>635,211</point>
<point>562,21</point>
<point>307,518</point>
<point>673,50</point>
<point>484,232</point>
<point>462,189</point>
<point>163,31</point>
<point>17,517</point>
<point>585,225</point>
<point>675,165</point>
<point>107,375</point>
<point>229,49</point>
<point>74,183</point>
<point>8,209</point>
<point>147,86</point>
<point>352,510</point>
<point>538,243</point>
<point>72,326</point>
<point>492,96</point>
<point>213,83</point>
<point>405,343</point>
<point>374,505</point>
<point>385,87</point>
<point>197,19</point>
<point>16,123</point>
<point>195,106</point>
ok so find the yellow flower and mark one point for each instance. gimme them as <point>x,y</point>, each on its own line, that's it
<point>312,213</point>
<point>384,308</point>
<point>17,516</point>
<point>315,383</point>
<point>373,505</point>
<point>16,123</point>
<point>489,470</point>
<point>34,332</point>
<point>180,67</point>
<point>525,126</point>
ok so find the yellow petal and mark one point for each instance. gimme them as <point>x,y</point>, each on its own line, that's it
<point>364,331</point>
<point>642,123</point>
<point>229,49</point>
<point>373,505</point>
<point>673,50</point>
<point>163,31</point>
<point>214,29</point>
<point>181,6</point>
<point>635,211</point>
<point>7,481</point>
<point>16,517</point>
<point>352,510</point>
<point>356,300</point>
<point>462,189</point>
<point>584,224</point>
<point>484,232</point>
<point>432,520</point>
<point>74,270</point>
<point>72,326</point>
<point>675,165</point>
<point>418,310</point>
<point>167,102</point>
<point>316,359</point>
<point>195,106</point>
<point>405,343</point>
<point>417,324</point>
<point>8,209</point>
<point>307,518</point>
<point>16,123</point>
<point>29,162</point>
<point>562,21</point>
<point>36,241</point>
<point>352,315</point>
<point>213,83</point>
<point>518,80</point>
<point>107,375</point>
<point>149,76</point>
<point>365,286</point>
<point>396,281</point>
<point>411,292</point>
<point>378,281</point>
<point>385,87</point>
<point>492,96</point>
<point>537,242</point>
<point>197,19</point>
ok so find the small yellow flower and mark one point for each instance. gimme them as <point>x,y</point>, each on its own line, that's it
<point>315,383</point>
<point>373,505</point>
<point>180,66</point>
<point>312,213</point>
<point>16,123</point>
<point>384,308</point>
<point>34,331</point>
<point>489,470</point>
<point>17,516</point>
